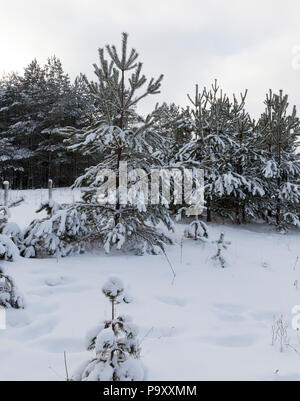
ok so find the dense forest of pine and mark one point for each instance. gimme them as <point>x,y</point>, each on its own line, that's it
<point>32,107</point>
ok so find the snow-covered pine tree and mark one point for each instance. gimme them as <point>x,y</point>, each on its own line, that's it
<point>174,125</point>
<point>14,153</point>
<point>8,250</point>
<point>224,147</point>
<point>64,105</point>
<point>9,294</point>
<point>11,236</point>
<point>115,343</point>
<point>197,230</point>
<point>122,135</point>
<point>246,161</point>
<point>221,246</point>
<point>60,233</point>
<point>209,143</point>
<point>32,107</point>
<point>243,186</point>
<point>280,130</point>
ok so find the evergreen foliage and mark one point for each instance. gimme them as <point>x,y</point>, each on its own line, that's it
<point>32,107</point>
<point>59,234</point>
<point>51,127</point>
<point>9,295</point>
<point>197,230</point>
<point>222,245</point>
<point>115,344</point>
<point>122,135</point>
<point>280,140</point>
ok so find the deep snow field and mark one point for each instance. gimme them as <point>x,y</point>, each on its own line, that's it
<point>210,324</point>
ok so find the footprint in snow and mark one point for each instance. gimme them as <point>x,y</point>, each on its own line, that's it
<point>159,332</point>
<point>17,318</point>
<point>230,341</point>
<point>43,308</point>
<point>39,328</point>
<point>230,312</point>
<point>172,301</point>
<point>230,318</point>
<point>59,289</point>
<point>61,344</point>
<point>54,281</point>
<point>264,316</point>
<point>230,308</point>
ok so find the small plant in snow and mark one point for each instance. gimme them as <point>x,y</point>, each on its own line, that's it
<point>221,246</point>
<point>279,333</point>
<point>59,234</point>
<point>13,231</point>
<point>4,215</point>
<point>9,296</point>
<point>10,236</point>
<point>197,230</point>
<point>115,343</point>
<point>8,250</point>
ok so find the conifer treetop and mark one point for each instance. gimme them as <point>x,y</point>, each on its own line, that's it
<point>111,81</point>
<point>113,288</point>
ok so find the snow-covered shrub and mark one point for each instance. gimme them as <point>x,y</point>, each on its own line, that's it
<point>8,250</point>
<point>11,237</point>
<point>4,215</point>
<point>131,234</point>
<point>9,295</point>
<point>279,333</point>
<point>122,136</point>
<point>197,230</point>
<point>221,246</point>
<point>59,234</point>
<point>112,289</point>
<point>13,231</point>
<point>115,344</point>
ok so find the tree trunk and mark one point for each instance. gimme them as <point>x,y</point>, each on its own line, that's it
<point>119,154</point>
<point>208,211</point>
<point>278,208</point>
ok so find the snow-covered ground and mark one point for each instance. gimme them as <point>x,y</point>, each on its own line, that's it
<point>210,324</point>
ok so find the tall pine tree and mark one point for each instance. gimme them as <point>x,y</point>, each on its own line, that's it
<point>122,135</point>
<point>280,130</point>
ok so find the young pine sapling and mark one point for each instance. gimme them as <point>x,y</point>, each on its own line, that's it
<point>197,230</point>
<point>221,246</point>
<point>9,296</point>
<point>115,344</point>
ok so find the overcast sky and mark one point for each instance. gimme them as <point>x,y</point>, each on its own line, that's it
<point>244,44</point>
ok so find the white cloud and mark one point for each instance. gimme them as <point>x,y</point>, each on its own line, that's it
<point>245,44</point>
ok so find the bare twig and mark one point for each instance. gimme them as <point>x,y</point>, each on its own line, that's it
<point>293,348</point>
<point>66,366</point>
<point>170,264</point>
<point>279,333</point>
<point>297,259</point>
<point>181,249</point>
<point>54,371</point>
<point>146,335</point>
